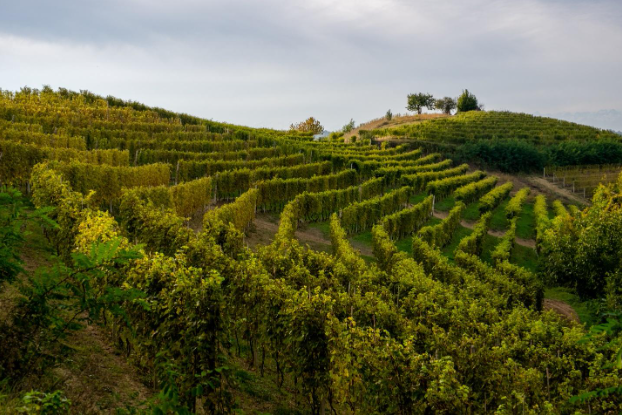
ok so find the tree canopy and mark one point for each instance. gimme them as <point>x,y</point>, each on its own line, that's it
<point>467,102</point>
<point>446,104</point>
<point>310,125</point>
<point>416,102</point>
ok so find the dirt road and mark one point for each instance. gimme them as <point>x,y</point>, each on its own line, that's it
<point>561,308</point>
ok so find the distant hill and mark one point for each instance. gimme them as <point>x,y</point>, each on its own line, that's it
<point>511,142</point>
<point>478,125</point>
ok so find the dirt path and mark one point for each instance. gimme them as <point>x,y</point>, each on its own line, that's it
<point>529,243</point>
<point>561,308</point>
<point>266,226</point>
<point>545,186</point>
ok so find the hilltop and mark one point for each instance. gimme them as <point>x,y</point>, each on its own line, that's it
<point>510,142</point>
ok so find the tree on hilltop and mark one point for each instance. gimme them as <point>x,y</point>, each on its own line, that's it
<point>446,104</point>
<point>468,102</point>
<point>416,102</point>
<point>310,125</point>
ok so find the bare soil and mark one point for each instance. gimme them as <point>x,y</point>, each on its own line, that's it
<point>562,309</point>
<point>382,122</point>
<point>565,195</point>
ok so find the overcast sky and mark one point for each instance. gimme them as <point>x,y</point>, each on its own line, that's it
<point>272,62</point>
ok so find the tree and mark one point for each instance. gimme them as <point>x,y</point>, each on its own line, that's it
<point>416,102</point>
<point>446,104</point>
<point>311,125</point>
<point>348,127</point>
<point>389,115</point>
<point>468,102</point>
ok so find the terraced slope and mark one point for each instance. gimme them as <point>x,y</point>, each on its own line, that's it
<point>442,318</point>
<point>509,142</point>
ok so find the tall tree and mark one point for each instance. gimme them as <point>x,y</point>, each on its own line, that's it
<point>446,104</point>
<point>416,102</point>
<point>310,125</point>
<point>468,102</point>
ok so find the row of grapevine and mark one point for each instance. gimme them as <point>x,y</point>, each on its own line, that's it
<point>191,169</point>
<point>514,291</point>
<point>17,159</point>
<point>419,180</point>
<point>443,187</point>
<point>408,221</point>
<point>108,181</point>
<point>239,213</point>
<point>147,156</point>
<point>473,243</point>
<point>185,198</point>
<point>440,235</point>
<point>503,250</point>
<point>229,184</point>
<point>472,191</point>
<point>494,198</point>
<point>559,209</point>
<point>320,205</point>
<point>359,216</point>
<point>515,205</point>
<point>275,193</point>
<point>43,140</point>
<point>393,174</point>
<point>541,214</point>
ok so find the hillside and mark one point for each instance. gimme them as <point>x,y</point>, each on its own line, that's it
<point>203,267</point>
<point>511,142</point>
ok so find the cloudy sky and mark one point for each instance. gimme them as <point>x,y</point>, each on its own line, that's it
<point>272,62</point>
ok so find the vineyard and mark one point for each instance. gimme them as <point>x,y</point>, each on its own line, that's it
<point>438,309</point>
<point>583,180</point>
<point>508,141</point>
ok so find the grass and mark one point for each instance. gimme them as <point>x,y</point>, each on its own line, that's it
<point>525,225</point>
<point>499,222</point>
<point>445,205</point>
<point>418,198</point>
<point>525,257</point>
<point>461,232</point>
<point>471,213</point>
<point>490,242</point>
<point>585,309</point>
<point>363,238</point>
<point>324,227</point>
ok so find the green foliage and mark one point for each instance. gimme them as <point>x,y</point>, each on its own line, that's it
<point>41,403</point>
<point>541,214</point>
<point>14,220</point>
<point>441,188</point>
<point>471,191</point>
<point>408,221</point>
<point>446,104</point>
<point>310,125</point>
<point>348,127</point>
<point>416,102</point>
<point>467,102</point>
<point>515,205</point>
<point>583,252</point>
<point>504,248</point>
<point>441,234</point>
<point>389,115</point>
<point>362,215</point>
<point>240,213</point>
<point>473,243</point>
<point>56,300</point>
<point>493,198</point>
